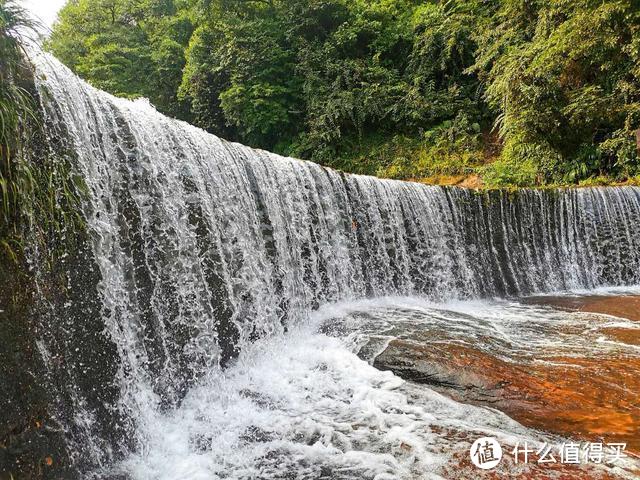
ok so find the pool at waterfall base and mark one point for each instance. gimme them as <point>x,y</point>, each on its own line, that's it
<point>311,404</point>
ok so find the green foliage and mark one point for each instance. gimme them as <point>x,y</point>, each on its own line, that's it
<point>519,165</point>
<point>453,148</point>
<point>563,78</point>
<point>15,108</point>
<point>391,68</point>
<point>13,99</point>
<point>400,88</point>
<point>130,48</point>
<point>38,194</point>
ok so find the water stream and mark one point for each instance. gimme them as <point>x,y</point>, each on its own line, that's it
<point>218,267</point>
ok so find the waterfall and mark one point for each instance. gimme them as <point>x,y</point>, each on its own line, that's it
<point>201,246</point>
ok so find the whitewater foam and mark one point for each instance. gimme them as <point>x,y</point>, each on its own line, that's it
<point>303,405</point>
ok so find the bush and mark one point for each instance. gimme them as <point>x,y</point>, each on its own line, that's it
<point>37,191</point>
<point>452,148</point>
<point>383,86</point>
<point>15,108</point>
<point>520,165</point>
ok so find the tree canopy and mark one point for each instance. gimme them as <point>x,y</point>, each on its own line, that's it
<point>521,92</point>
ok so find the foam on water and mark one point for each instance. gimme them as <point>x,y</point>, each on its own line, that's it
<point>304,405</point>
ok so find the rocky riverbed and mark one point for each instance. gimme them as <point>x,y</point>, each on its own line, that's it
<point>583,384</point>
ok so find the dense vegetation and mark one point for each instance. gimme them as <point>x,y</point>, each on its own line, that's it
<point>37,193</point>
<point>15,109</point>
<point>521,92</point>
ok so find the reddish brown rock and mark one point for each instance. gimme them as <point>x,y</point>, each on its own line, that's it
<point>626,306</point>
<point>589,399</point>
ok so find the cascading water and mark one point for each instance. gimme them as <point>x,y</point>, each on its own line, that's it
<point>207,250</point>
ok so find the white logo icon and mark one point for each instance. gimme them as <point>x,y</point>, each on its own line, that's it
<point>486,453</point>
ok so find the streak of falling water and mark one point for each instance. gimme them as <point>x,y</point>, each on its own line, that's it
<point>204,246</point>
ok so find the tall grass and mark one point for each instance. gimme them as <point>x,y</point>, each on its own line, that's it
<point>38,192</point>
<point>16,111</point>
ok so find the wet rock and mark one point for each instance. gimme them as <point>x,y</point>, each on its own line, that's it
<point>625,306</point>
<point>591,399</point>
<point>254,434</point>
<point>31,444</point>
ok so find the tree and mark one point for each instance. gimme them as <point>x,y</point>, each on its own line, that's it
<point>540,91</point>
<point>130,48</point>
<point>561,75</point>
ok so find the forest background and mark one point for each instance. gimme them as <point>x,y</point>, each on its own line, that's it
<point>477,92</point>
